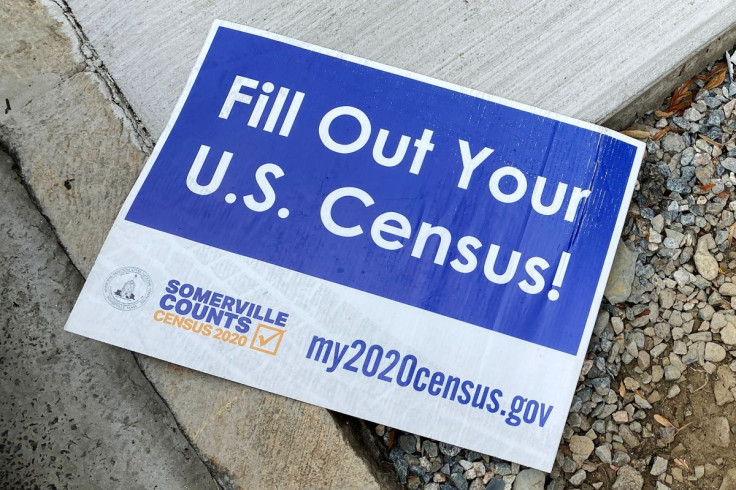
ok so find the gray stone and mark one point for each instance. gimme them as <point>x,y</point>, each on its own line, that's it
<point>718,321</point>
<point>618,287</point>
<point>75,413</point>
<point>658,223</point>
<point>449,449</point>
<point>672,373</point>
<point>727,289</point>
<point>459,481</point>
<point>659,466</point>
<point>728,334</point>
<point>692,114</point>
<point>630,439</point>
<point>705,263</point>
<point>693,354</point>
<point>581,446</point>
<point>628,478</point>
<point>620,458</point>
<point>666,299</point>
<point>430,449</point>
<point>497,484</point>
<point>672,142</point>
<point>714,352</point>
<point>408,443</point>
<point>641,402</point>
<point>601,322</point>
<point>683,277</point>
<point>715,118</point>
<point>604,453</point>
<point>673,391</point>
<point>720,432</point>
<point>529,479</point>
<point>679,186</point>
<point>729,164</point>
<point>578,478</point>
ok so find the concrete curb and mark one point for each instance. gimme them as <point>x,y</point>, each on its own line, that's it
<point>79,153</point>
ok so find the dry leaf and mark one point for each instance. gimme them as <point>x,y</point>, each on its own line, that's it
<point>661,133</point>
<point>392,438</point>
<point>622,389</point>
<point>681,97</point>
<point>644,313</point>
<point>723,194</point>
<point>714,143</point>
<point>664,114</point>
<point>640,393</point>
<point>731,229</point>
<point>636,133</point>
<point>663,421</point>
<point>707,187</point>
<point>717,79</point>
<point>681,463</point>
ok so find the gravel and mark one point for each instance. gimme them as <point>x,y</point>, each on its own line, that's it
<point>669,311</point>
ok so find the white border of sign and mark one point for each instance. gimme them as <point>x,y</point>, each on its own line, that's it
<point>592,314</point>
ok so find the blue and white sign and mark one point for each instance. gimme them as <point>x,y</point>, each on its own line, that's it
<point>367,239</point>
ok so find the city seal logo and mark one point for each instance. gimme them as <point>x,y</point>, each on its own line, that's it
<point>128,288</point>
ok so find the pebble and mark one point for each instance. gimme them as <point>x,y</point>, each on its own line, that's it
<point>668,314</point>
<point>578,478</point>
<point>705,263</point>
<point>604,453</point>
<point>692,114</point>
<point>714,352</point>
<point>727,289</point>
<point>728,334</point>
<point>496,484</point>
<point>721,432</point>
<point>581,446</point>
<point>659,466</point>
<point>459,481</point>
<point>408,443</point>
<point>628,478</point>
<point>671,373</point>
<point>618,287</point>
<point>529,479</point>
<point>449,449</point>
<point>672,142</point>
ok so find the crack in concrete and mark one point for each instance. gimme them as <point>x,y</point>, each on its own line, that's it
<point>97,66</point>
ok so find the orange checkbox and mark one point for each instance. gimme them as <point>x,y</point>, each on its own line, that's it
<point>267,339</point>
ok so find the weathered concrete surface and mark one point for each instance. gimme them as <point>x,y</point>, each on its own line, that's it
<point>74,413</point>
<point>80,160</point>
<point>586,59</point>
<point>272,441</point>
<point>74,150</point>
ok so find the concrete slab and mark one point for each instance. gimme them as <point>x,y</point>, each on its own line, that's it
<point>74,413</point>
<point>587,59</point>
<point>80,155</point>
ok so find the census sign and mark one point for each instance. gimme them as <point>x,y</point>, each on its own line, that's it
<point>369,240</point>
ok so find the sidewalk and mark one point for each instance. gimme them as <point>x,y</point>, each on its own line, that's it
<point>74,413</point>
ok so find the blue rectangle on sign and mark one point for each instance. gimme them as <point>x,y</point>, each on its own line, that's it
<point>386,182</point>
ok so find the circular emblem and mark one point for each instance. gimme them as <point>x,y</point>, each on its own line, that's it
<point>128,288</point>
